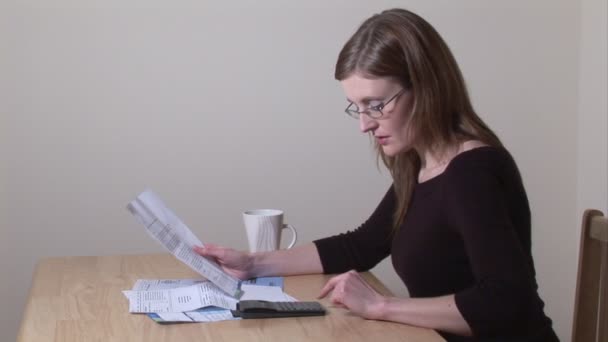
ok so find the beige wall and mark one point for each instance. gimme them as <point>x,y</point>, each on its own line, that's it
<point>592,159</point>
<point>593,108</point>
<point>226,107</point>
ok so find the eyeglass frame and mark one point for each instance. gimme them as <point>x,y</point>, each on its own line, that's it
<point>356,114</point>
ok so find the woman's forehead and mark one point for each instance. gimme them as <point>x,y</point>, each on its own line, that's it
<point>359,88</point>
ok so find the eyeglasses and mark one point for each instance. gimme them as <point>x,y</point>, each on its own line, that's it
<point>374,110</point>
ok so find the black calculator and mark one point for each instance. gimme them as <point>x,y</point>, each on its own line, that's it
<point>264,309</point>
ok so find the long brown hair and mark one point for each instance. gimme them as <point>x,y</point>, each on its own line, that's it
<point>401,45</point>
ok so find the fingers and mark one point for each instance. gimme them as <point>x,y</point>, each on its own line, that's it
<point>210,250</point>
<point>331,283</point>
<point>334,282</point>
<point>350,291</point>
<point>204,251</point>
<point>210,246</point>
<point>342,285</point>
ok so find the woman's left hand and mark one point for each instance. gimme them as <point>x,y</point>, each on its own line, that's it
<point>351,291</point>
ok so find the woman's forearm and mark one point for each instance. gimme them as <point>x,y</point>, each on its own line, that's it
<point>298,260</point>
<point>439,313</point>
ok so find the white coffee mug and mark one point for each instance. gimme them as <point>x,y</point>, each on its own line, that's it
<point>264,227</point>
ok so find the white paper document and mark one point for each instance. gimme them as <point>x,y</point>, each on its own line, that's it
<point>156,297</point>
<point>165,227</point>
<point>179,299</point>
<point>193,297</point>
<point>205,314</point>
<point>267,293</point>
<point>210,314</point>
<point>164,284</point>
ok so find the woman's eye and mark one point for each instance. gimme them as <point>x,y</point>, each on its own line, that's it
<point>376,106</point>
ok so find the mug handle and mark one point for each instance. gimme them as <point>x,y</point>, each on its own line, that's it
<point>295,235</point>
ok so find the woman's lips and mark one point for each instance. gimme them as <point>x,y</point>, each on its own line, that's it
<point>382,140</point>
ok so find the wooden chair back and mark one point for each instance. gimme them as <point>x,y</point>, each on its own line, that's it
<point>591,301</point>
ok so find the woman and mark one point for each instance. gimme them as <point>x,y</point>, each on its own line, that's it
<point>456,221</point>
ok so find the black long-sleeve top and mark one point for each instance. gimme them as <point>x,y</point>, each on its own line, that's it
<point>467,233</point>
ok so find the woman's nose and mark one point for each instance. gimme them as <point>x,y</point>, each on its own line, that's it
<point>366,123</point>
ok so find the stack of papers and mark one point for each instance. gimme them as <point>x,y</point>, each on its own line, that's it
<point>197,300</point>
<point>190,300</point>
<point>166,228</point>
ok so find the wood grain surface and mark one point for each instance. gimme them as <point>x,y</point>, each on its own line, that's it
<point>80,299</point>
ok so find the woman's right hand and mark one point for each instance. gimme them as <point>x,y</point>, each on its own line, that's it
<point>236,263</point>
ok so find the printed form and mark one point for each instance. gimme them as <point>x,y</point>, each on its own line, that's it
<point>179,299</point>
<point>164,299</point>
<point>166,228</point>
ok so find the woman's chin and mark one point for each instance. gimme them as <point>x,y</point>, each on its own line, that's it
<point>389,150</point>
<point>392,150</point>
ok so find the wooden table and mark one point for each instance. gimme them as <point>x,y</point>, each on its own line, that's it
<point>80,299</point>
